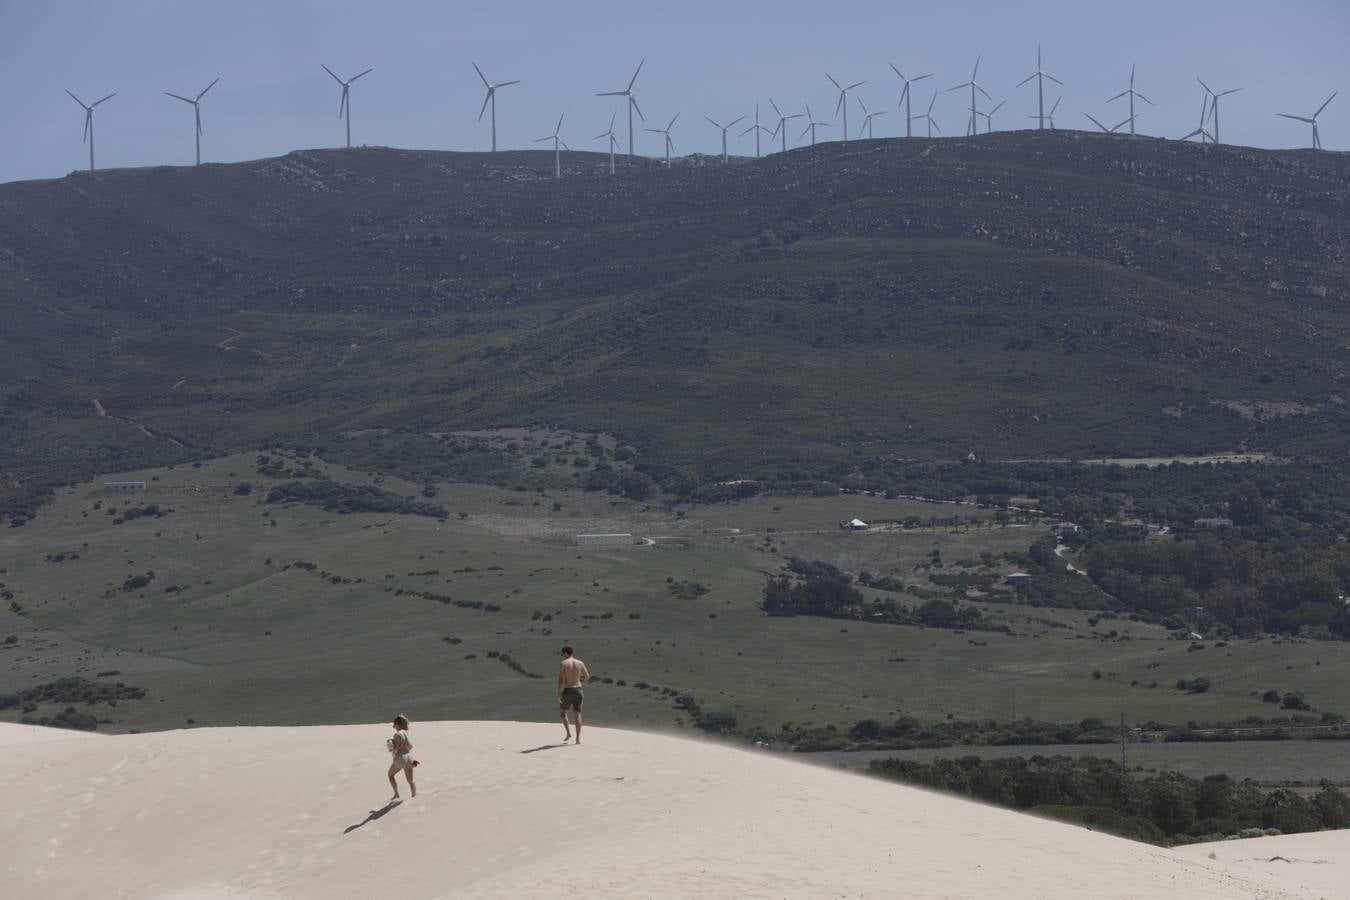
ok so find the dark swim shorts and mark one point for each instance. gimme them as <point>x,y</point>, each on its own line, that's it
<point>571,697</point>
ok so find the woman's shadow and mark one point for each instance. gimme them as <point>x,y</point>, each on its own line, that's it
<point>374,814</point>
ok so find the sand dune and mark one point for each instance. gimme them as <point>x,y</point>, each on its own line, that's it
<point>504,812</point>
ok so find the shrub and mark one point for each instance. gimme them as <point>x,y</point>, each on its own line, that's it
<point>243,488</point>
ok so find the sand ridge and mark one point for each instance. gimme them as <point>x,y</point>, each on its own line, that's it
<point>504,811</point>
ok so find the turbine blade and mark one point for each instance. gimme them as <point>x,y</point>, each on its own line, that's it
<point>76,99</point>
<point>775,108</point>
<point>1297,118</point>
<point>633,80</point>
<point>558,128</point>
<point>832,81</point>
<point>922,77</point>
<point>735,120</point>
<point>480,74</point>
<point>542,139</point>
<point>997,108</point>
<point>748,130</point>
<point>715,125</point>
<point>983,91</point>
<point>934,124</point>
<point>1315,115</point>
<point>613,94</point>
<point>855,84</point>
<point>366,72</point>
<point>1054,79</point>
<point>330,72</point>
<point>1233,91</point>
<point>564,143</point>
<point>897,72</point>
<point>614,115</point>
<point>1098,124</point>
<point>1142,97</point>
<point>1117,96</point>
<point>1025,80</point>
<point>486,98</point>
<point>207,88</point>
<point>930,104</point>
<point>1203,85</point>
<point>633,100</point>
<point>508,83</point>
<point>672,121</point>
<point>805,132</point>
<point>178,97</point>
<point>342,107</point>
<point>114,94</point>
<point>840,105</point>
<point>1056,106</point>
<point>88,121</point>
<point>975,71</point>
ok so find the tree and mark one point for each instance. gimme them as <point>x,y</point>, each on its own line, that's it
<point>636,485</point>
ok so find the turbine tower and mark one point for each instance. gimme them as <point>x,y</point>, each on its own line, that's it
<point>758,129</point>
<point>989,117</point>
<point>811,126</point>
<point>867,119</point>
<point>491,100</point>
<point>670,144</point>
<point>345,108</point>
<point>1050,116</point>
<point>782,123</point>
<point>1040,77</point>
<point>1214,104</point>
<point>613,141</point>
<point>89,123</point>
<point>1317,141</point>
<point>929,117</point>
<point>971,126</point>
<point>724,134</point>
<point>1131,93</point>
<point>197,113</point>
<point>557,154</point>
<point>905,95</point>
<point>843,100</point>
<point>632,104</point>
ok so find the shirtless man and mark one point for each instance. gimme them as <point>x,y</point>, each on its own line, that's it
<point>572,675</point>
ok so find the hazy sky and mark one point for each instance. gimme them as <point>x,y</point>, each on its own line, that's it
<point>703,58</point>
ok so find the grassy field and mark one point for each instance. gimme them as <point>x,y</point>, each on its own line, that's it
<point>231,631</point>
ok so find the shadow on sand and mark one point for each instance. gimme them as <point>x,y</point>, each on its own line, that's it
<point>374,814</point>
<point>545,747</point>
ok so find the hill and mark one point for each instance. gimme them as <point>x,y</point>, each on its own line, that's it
<point>505,811</point>
<point>1021,294</point>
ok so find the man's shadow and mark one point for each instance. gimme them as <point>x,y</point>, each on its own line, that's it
<point>545,747</point>
<point>374,814</point>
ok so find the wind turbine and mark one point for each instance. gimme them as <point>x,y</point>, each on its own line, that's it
<point>811,126</point>
<point>1114,128</point>
<point>843,100</point>
<point>724,133</point>
<point>1214,105</point>
<point>197,112</point>
<point>867,119</point>
<point>1050,116</point>
<point>491,99</point>
<point>557,154</point>
<point>632,104</point>
<point>905,94</point>
<point>929,116</point>
<point>1040,77</point>
<point>758,129</point>
<point>1204,115</point>
<point>989,117</point>
<point>612,140</point>
<point>346,106</point>
<point>1317,141</point>
<point>782,123</point>
<point>89,123</point>
<point>974,86</point>
<point>1131,93</point>
<point>666,131</point>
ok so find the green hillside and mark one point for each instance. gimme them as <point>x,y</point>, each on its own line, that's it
<point>1020,295</point>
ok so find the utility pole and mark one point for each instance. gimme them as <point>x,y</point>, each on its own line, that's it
<point>1123,760</point>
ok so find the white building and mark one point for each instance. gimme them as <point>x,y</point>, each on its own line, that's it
<point>124,485</point>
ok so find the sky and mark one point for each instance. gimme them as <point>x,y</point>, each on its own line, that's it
<point>715,59</point>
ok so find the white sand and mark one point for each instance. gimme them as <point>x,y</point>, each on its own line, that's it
<point>32,734</point>
<point>1318,863</point>
<point>266,812</point>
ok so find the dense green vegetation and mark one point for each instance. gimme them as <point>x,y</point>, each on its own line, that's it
<point>1162,808</point>
<point>352,498</point>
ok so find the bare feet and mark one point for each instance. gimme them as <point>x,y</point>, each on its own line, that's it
<point>413,789</point>
<point>395,799</point>
<point>567,737</point>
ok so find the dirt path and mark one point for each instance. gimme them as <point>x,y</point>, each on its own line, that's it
<point>102,413</point>
<point>99,410</point>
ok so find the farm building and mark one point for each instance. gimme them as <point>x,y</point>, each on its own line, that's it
<point>605,540</point>
<point>1017,578</point>
<point>124,485</point>
<point>853,525</point>
<point>1216,523</point>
